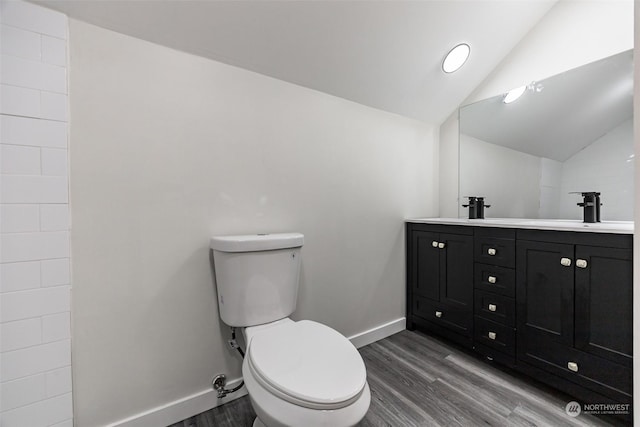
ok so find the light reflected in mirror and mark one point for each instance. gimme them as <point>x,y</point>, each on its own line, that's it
<point>569,133</point>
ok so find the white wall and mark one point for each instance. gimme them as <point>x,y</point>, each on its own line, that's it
<point>550,183</point>
<point>448,177</point>
<point>168,149</point>
<point>486,165</point>
<point>607,166</point>
<point>571,34</point>
<point>35,349</point>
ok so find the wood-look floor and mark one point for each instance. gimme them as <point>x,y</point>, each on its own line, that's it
<point>417,380</point>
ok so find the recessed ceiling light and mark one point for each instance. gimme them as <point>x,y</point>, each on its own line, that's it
<point>514,94</point>
<point>456,58</point>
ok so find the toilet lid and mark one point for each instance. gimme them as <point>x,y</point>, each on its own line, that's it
<point>309,362</point>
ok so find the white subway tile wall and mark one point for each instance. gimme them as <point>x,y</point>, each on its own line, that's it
<point>19,101</point>
<point>35,287</point>
<point>19,218</point>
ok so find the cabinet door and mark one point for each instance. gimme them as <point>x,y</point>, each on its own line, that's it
<point>456,271</point>
<point>426,264</point>
<point>604,302</point>
<point>544,290</point>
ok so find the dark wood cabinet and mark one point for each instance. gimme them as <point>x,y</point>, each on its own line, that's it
<point>574,310</point>
<point>545,296</point>
<point>494,292</point>
<point>440,277</point>
<point>604,303</point>
<point>494,250</point>
<point>456,274</point>
<point>556,305</point>
<point>494,279</point>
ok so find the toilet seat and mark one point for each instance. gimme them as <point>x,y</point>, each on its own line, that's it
<point>308,364</point>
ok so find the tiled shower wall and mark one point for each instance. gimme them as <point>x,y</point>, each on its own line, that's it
<point>35,340</point>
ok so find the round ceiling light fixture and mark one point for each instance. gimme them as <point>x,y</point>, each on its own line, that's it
<point>456,58</point>
<point>514,94</point>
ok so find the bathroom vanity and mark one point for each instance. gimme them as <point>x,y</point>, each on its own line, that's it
<point>549,298</point>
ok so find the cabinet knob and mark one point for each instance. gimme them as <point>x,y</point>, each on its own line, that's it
<point>441,245</point>
<point>491,251</point>
<point>434,244</point>
<point>492,307</point>
<point>438,314</point>
<point>565,261</point>
<point>492,335</point>
<point>573,366</point>
<point>491,279</point>
<point>581,263</point>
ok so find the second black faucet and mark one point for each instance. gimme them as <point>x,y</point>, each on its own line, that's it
<point>476,207</point>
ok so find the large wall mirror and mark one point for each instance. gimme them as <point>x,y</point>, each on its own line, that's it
<point>569,133</point>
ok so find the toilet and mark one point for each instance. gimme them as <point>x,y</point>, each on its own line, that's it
<point>297,373</point>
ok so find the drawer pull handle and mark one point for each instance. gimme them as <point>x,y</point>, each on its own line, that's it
<point>492,307</point>
<point>581,263</point>
<point>491,279</point>
<point>438,314</point>
<point>565,262</point>
<point>441,245</point>
<point>492,335</point>
<point>434,244</point>
<point>573,366</point>
<point>491,251</point>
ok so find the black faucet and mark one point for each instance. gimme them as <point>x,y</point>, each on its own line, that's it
<point>476,207</point>
<point>590,206</point>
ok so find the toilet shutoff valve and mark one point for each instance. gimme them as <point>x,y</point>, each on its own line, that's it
<point>219,383</point>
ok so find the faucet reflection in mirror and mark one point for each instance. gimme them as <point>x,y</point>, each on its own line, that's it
<point>565,134</point>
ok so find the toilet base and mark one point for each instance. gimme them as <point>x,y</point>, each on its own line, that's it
<point>258,423</point>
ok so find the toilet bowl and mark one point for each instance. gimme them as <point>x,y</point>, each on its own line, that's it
<point>298,374</point>
<point>304,374</point>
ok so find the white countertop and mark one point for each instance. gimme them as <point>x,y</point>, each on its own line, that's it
<point>617,227</point>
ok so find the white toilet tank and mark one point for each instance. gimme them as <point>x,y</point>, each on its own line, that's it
<point>256,276</point>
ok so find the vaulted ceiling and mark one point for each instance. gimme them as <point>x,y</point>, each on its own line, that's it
<point>384,54</point>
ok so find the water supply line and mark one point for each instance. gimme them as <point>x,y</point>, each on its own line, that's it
<point>220,381</point>
<point>233,343</point>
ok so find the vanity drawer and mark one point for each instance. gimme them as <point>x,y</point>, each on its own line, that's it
<point>495,307</point>
<point>457,319</point>
<point>495,335</point>
<point>493,355</point>
<point>593,372</point>
<point>492,278</point>
<point>495,251</point>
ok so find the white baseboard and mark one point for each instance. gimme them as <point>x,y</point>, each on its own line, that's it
<point>189,406</point>
<point>181,409</point>
<point>378,333</point>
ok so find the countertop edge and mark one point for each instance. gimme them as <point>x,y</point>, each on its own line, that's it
<point>611,227</point>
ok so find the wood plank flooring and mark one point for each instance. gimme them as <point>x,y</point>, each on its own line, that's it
<point>418,380</point>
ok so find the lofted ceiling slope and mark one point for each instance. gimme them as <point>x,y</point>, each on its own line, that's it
<point>384,54</point>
